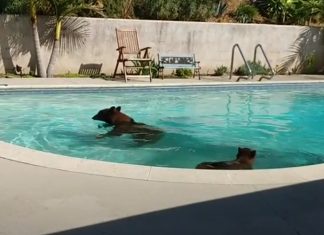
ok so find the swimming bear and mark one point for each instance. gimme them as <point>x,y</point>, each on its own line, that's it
<point>123,124</point>
<point>244,161</point>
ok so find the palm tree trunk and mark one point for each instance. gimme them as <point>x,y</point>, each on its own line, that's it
<point>40,65</point>
<point>55,50</point>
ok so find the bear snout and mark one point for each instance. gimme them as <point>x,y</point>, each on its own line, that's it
<point>95,117</point>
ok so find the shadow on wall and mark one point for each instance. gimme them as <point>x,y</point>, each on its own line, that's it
<point>304,57</point>
<point>291,210</point>
<point>13,42</point>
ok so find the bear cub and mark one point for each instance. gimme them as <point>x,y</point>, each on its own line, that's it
<point>244,161</point>
<point>123,124</point>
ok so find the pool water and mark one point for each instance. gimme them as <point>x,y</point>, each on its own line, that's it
<point>284,124</point>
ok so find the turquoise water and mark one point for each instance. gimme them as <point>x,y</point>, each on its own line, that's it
<point>284,124</point>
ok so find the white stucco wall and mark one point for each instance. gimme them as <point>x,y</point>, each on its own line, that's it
<point>211,42</point>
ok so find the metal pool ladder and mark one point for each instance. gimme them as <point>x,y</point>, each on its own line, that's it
<point>250,71</point>
<point>245,62</point>
<point>267,60</point>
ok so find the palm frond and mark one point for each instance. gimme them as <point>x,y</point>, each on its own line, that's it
<point>75,32</point>
<point>297,52</point>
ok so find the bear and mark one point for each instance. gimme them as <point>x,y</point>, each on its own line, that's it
<point>244,161</point>
<point>123,124</point>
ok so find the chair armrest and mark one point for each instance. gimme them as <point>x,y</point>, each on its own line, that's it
<point>120,48</point>
<point>145,48</point>
<point>146,52</point>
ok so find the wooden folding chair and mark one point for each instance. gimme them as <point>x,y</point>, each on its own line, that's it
<point>135,61</point>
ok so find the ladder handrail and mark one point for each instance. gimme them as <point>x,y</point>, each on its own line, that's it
<point>245,62</point>
<point>267,60</point>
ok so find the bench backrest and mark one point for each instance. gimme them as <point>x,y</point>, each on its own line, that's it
<point>129,40</point>
<point>90,69</point>
<point>177,61</point>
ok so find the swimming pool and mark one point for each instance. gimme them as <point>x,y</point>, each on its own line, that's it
<point>284,123</point>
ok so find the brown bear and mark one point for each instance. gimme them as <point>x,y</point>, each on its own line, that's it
<point>244,161</point>
<point>124,124</point>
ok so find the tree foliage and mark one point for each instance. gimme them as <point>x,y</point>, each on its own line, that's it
<point>194,10</point>
<point>14,6</point>
<point>301,12</point>
<point>290,11</point>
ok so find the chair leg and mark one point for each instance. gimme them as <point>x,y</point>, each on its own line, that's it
<point>116,67</point>
<point>125,70</point>
<point>118,61</point>
<point>150,69</point>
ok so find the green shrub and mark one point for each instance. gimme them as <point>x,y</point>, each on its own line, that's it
<point>220,71</point>
<point>183,73</point>
<point>156,9</point>
<point>119,9</point>
<point>246,13</point>
<point>146,71</point>
<point>257,68</point>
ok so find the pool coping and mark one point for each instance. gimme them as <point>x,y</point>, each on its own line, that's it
<point>150,173</point>
<point>198,83</point>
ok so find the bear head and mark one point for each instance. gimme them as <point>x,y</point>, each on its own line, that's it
<point>112,116</point>
<point>246,155</point>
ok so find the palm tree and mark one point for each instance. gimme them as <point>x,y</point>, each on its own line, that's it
<point>33,16</point>
<point>61,9</point>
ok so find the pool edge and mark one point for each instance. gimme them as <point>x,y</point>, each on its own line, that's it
<point>157,85</point>
<point>161,174</point>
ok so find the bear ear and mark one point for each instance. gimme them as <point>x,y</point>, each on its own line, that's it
<point>118,108</point>
<point>253,153</point>
<point>239,149</point>
<point>112,107</point>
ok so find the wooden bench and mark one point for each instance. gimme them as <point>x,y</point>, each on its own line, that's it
<point>178,62</point>
<point>92,70</point>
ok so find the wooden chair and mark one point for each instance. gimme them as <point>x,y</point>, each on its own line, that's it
<point>135,61</point>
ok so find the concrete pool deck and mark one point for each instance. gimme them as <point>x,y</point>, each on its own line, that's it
<point>42,193</point>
